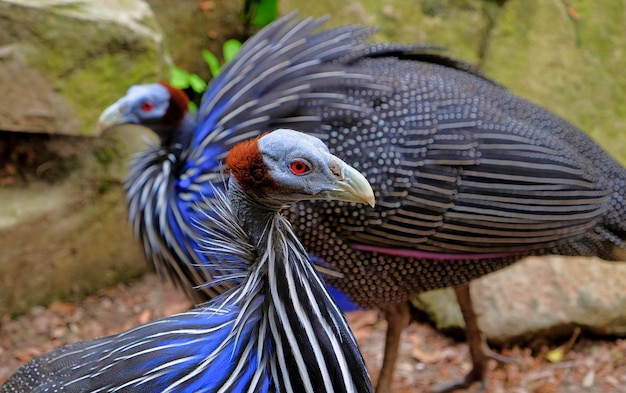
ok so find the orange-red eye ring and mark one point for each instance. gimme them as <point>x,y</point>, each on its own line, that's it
<point>147,106</point>
<point>299,167</point>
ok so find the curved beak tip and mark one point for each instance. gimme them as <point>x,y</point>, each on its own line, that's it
<point>367,196</point>
<point>111,116</point>
<point>356,187</point>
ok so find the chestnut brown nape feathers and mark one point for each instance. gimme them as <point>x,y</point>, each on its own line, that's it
<point>178,107</point>
<point>245,163</point>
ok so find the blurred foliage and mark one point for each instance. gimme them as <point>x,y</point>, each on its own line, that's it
<point>259,13</point>
<point>256,12</point>
<point>229,51</point>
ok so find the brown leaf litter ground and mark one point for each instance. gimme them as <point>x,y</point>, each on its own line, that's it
<point>427,358</point>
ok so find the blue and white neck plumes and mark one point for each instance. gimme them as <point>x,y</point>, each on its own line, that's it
<point>163,200</point>
<point>278,331</point>
<point>169,182</point>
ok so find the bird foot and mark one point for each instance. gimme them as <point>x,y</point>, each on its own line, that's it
<point>497,357</point>
<point>476,375</point>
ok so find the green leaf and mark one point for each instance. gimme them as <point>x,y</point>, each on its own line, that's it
<point>212,62</point>
<point>196,83</point>
<point>231,48</point>
<point>179,78</point>
<point>266,12</point>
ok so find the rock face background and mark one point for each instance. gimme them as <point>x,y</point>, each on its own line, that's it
<point>63,227</point>
<point>539,297</point>
<point>64,60</point>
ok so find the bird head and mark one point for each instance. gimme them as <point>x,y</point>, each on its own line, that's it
<point>286,166</point>
<point>157,106</point>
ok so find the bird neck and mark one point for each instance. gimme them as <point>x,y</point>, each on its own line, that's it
<point>314,347</point>
<point>309,331</point>
<point>253,214</point>
<point>176,137</point>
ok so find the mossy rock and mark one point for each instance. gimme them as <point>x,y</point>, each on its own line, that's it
<point>565,56</point>
<point>63,63</point>
<point>568,59</point>
<point>64,235</point>
<point>63,225</point>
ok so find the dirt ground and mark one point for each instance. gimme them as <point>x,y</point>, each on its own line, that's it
<point>427,357</point>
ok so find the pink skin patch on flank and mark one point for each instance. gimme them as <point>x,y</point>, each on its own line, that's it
<point>408,253</point>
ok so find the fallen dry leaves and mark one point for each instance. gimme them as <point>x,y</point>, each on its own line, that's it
<point>427,358</point>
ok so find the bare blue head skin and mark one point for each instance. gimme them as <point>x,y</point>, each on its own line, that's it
<point>285,166</point>
<point>305,169</point>
<point>157,106</point>
<point>141,104</point>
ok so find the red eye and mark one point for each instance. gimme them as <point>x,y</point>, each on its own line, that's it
<point>147,106</point>
<point>299,167</point>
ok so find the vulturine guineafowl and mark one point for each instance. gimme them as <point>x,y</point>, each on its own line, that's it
<point>278,331</point>
<point>468,177</point>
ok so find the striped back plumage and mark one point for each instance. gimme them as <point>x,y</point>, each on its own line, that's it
<point>468,179</point>
<point>279,331</point>
<point>475,169</point>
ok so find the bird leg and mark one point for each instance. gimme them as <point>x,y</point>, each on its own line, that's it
<point>398,316</point>
<point>479,351</point>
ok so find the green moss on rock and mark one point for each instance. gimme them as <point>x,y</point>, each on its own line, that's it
<point>460,25</point>
<point>105,70</point>
<point>565,56</point>
<point>539,51</point>
<point>84,56</point>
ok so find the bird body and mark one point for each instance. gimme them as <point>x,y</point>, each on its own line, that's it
<point>278,331</point>
<point>468,177</point>
<point>471,183</point>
